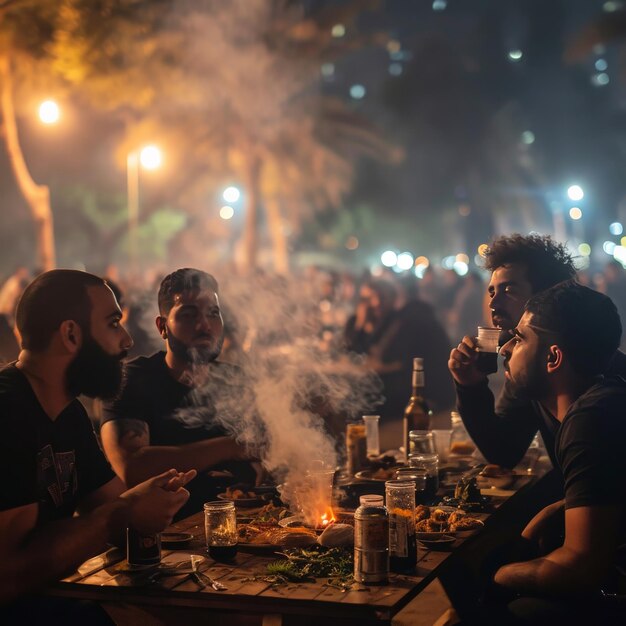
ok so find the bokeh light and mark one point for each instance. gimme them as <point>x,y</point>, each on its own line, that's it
<point>357,92</point>
<point>460,268</point>
<point>584,249</point>
<point>150,157</point>
<point>515,55</point>
<point>49,112</point>
<point>616,228</point>
<point>575,192</point>
<point>227,212</point>
<point>575,213</point>
<point>405,261</point>
<point>388,258</point>
<point>609,247</point>
<point>231,194</point>
<point>352,242</point>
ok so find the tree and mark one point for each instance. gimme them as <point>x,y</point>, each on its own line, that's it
<point>26,29</point>
<point>242,100</point>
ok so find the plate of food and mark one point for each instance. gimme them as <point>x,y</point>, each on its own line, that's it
<point>243,498</point>
<point>381,474</point>
<point>438,520</point>
<point>270,537</point>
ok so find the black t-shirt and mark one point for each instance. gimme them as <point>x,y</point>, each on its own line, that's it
<point>177,414</point>
<point>54,463</point>
<point>590,447</point>
<point>503,432</point>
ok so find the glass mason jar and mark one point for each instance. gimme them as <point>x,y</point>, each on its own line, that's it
<point>220,529</point>
<point>421,442</point>
<point>416,476</point>
<point>429,463</point>
<point>400,501</point>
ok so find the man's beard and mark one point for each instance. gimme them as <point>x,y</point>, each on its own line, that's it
<point>193,354</point>
<point>94,372</point>
<point>535,383</point>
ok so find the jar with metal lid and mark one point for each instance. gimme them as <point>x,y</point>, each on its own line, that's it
<point>371,540</point>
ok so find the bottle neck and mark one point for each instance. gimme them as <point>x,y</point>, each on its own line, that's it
<point>417,383</point>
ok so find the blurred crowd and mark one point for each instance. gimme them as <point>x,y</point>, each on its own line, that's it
<point>388,318</point>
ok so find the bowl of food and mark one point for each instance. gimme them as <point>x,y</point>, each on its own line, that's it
<point>243,498</point>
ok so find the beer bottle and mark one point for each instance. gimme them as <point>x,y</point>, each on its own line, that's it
<point>416,414</point>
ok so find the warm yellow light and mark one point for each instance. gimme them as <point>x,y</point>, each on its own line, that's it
<point>227,212</point>
<point>422,260</point>
<point>462,258</point>
<point>150,157</point>
<point>575,213</point>
<point>49,112</point>
<point>482,249</point>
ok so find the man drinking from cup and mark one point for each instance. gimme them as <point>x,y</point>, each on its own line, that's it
<point>520,267</point>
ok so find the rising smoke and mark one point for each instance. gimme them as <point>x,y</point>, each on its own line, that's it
<point>288,401</point>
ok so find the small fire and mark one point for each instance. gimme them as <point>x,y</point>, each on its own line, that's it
<point>327,518</point>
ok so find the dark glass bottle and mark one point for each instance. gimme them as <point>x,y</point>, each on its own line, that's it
<point>416,414</point>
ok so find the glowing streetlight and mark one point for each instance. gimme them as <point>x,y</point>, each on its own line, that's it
<point>575,192</point>
<point>150,158</point>
<point>49,112</point>
<point>231,194</point>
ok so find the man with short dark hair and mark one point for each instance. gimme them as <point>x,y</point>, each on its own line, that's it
<point>521,266</point>
<point>562,344</point>
<point>52,466</point>
<point>167,412</point>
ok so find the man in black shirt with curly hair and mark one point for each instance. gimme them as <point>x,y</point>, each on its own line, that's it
<point>520,267</point>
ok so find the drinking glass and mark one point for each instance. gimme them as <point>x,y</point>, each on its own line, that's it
<point>220,528</point>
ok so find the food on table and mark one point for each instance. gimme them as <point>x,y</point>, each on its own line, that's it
<point>443,521</point>
<point>422,512</point>
<point>271,513</point>
<point>272,534</point>
<point>337,536</point>
<point>384,474</point>
<point>462,448</point>
<point>240,494</point>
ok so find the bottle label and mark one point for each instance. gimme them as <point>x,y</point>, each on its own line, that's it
<point>371,534</point>
<point>398,536</point>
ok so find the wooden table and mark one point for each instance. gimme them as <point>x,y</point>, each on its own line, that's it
<point>106,578</point>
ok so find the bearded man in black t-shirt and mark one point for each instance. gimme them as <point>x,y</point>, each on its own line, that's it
<point>170,410</point>
<point>560,348</point>
<point>60,502</point>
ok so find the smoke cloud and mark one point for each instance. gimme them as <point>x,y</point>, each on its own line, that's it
<point>288,400</point>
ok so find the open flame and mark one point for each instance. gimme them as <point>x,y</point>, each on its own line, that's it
<point>327,518</point>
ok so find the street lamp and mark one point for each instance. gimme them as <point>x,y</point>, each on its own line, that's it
<point>149,158</point>
<point>49,112</point>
